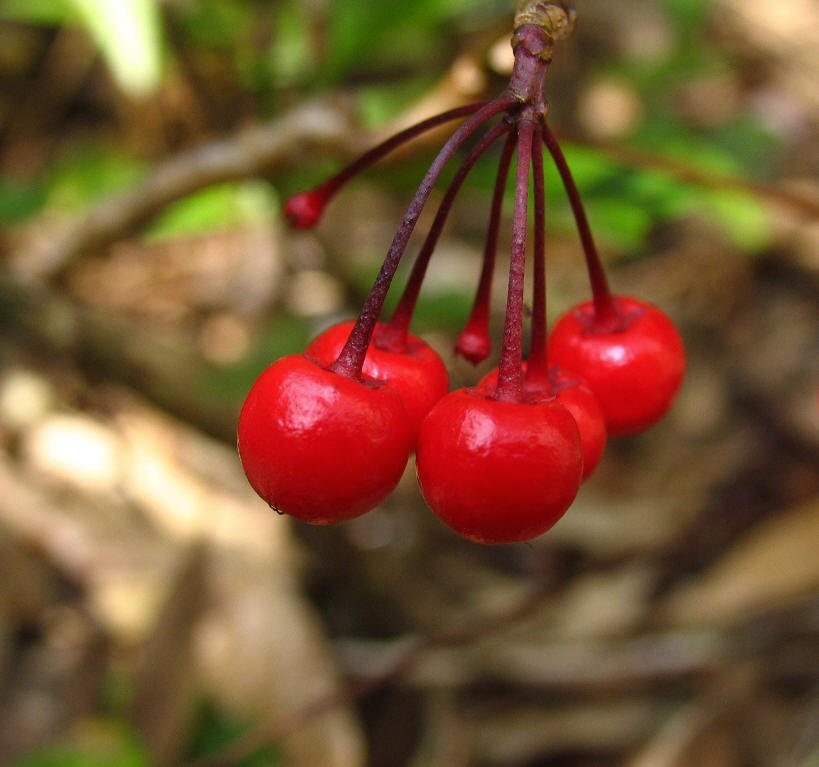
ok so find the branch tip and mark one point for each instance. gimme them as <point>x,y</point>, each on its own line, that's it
<point>556,19</point>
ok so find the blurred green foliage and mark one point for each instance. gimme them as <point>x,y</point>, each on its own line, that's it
<point>363,35</point>
<point>77,177</point>
<point>108,742</point>
<point>127,32</point>
<point>214,729</point>
<point>218,207</point>
<point>389,52</point>
<point>102,743</point>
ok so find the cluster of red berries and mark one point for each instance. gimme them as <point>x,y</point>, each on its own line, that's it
<point>326,435</point>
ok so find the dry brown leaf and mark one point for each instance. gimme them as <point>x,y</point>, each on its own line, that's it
<point>692,737</point>
<point>165,684</point>
<point>774,563</point>
<point>264,656</point>
<point>524,733</point>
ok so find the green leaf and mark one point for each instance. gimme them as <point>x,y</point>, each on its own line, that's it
<point>215,729</point>
<point>216,25</point>
<point>589,166</point>
<point>364,34</point>
<point>443,309</point>
<point>19,201</point>
<point>689,14</point>
<point>379,104</point>
<point>128,34</point>
<point>97,743</point>
<point>47,12</point>
<point>742,216</point>
<point>620,221</point>
<point>289,58</point>
<point>217,207</point>
<point>86,173</point>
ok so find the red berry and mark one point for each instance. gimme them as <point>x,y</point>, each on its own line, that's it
<point>498,472</point>
<point>473,346</point>
<point>634,365</point>
<point>304,210</point>
<point>417,374</point>
<point>577,398</point>
<point>320,446</point>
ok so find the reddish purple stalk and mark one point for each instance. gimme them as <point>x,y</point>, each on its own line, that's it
<point>509,371</point>
<point>304,209</point>
<point>537,371</point>
<point>394,335</point>
<point>351,357</point>
<point>473,343</point>
<point>524,108</point>
<point>605,309</point>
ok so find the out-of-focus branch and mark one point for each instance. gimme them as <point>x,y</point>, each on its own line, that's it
<point>262,150</point>
<point>254,151</point>
<point>652,657</point>
<point>406,656</point>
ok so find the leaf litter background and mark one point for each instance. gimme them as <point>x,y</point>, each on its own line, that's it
<point>153,610</point>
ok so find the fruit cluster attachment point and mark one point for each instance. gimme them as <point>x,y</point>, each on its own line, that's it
<point>324,436</point>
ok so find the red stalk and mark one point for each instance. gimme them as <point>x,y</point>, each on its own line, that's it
<point>604,307</point>
<point>304,210</point>
<point>394,335</point>
<point>509,371</point>
<point>537,371</point>
<point>351,357</point>
<point>473,343</point>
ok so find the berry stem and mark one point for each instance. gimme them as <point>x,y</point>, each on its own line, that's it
<point>478,323</point>
<point>509,371</point>
<point>605,309</point>
<point>351,357</point>
<point>394,335</point>
<point>319,196</point>
<point>537,371</point>
<point>532,48</point>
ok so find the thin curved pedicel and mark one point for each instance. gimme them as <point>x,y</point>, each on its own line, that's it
<point>396,331</point>
<point>473,343</point>
<point>351,358</point>
<point>304,210</point>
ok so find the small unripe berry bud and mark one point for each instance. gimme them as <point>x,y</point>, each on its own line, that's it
<point>304,210</point>
<point>473,345</point>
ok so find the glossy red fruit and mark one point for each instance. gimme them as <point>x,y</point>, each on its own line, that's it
<point>634,365</point>
<point>418,373</point>
<point>321,446</point>
<point>577,398</point>
<point>498,472</point>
